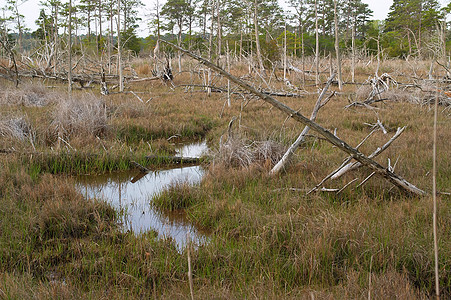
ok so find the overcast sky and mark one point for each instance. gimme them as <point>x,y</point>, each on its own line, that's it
<point>30,9</point>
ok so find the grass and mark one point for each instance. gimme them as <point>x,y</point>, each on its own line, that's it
<point>268,239</point>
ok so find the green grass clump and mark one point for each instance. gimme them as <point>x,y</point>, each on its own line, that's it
<point>177,196</point>
<point>79,163</point>
<point>135,131</point>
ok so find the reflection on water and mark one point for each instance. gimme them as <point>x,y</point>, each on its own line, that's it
<point>133,199</point>
<point>192,150</point>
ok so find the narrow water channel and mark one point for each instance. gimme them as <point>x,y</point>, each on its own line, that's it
<point>132,200</point>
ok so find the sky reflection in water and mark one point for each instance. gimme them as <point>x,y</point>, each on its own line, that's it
<point>133,199</point>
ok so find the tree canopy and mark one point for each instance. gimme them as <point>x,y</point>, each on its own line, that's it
<point>409,27</point>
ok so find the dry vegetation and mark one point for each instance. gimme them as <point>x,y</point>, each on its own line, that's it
<point>270,239</point>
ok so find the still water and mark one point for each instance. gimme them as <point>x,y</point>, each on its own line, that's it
<point>133,199</point>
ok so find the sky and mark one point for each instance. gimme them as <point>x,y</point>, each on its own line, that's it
<point>30,9</point>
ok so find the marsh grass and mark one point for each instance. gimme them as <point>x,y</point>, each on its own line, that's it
<point>178,195</point>
<point>53,240</point>
<point>15,127</point>
<point>30,95</point>
<point>239,152</point>
<point>84,115</point>
<point>268,241</point>
<point>304,241</point>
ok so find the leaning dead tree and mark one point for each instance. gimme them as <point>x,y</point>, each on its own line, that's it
<point>290,152</point>
<point>395,179</point>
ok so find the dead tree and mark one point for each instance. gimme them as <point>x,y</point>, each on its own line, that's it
<point>119,50</point>
<point>69,71</point>
<point>287,156</point>
<point>395,179</point>
<point>316,45</point>
<point>337,48</point>
<point>257,39</point>
<point>8,49</point>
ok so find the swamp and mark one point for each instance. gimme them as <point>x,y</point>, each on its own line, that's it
<point>210,167</point>
<point>251,233</point>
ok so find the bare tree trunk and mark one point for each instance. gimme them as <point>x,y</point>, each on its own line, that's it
<point>99,38</point>
<point>419,30</point>
<point>55,40</point>
<point>285,53</point>
<point>337,47</point>
<point>119,50</point>
<point>228,80</point>
<point>444,42</point>
<point>410,43</point>
<point>257,40</point>
<point>204,25</point>
<point>378,53</point>
<point>69,72</point>
<point>89,25</point>
<point>290,152</point>
<point>219,30</point>
<point>156,50</point>
<point>334,140</point>
<point>303,56</point>
<point>353,54</point>
<point>125,10</point>
<point>331,64</point>
<point>241,44</point>
<point>19,27</point>
<point>210,45</point>
<point>443,39</point>
<point>180,45</point>
<point>110,43</point>
<point>317,45</point>
<point>190,28</point>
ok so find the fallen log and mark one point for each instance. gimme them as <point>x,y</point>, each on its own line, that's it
<point>141,168</point>
<point>354,165</point>
<point>173,159</point>
<point>347,160</point>
<point>395,179</point>
<point>224,90</point>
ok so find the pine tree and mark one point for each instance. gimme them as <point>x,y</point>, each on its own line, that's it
<point>411,19</point>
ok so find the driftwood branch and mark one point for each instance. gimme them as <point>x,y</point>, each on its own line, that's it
<point>224,90</point>
<point>357,155</point>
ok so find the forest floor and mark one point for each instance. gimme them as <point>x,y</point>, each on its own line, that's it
<point>269,238</point>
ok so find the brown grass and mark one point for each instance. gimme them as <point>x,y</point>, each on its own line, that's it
<point>84,115</point>
<point>237,152</point>
<point>30,94</point>
<point>269,241</point>
<point>144,70</point>
<point>15,127</point>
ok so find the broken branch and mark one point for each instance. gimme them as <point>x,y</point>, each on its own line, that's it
<point>357,155</point>
<point>287,156</point>
<point>354,165</point>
